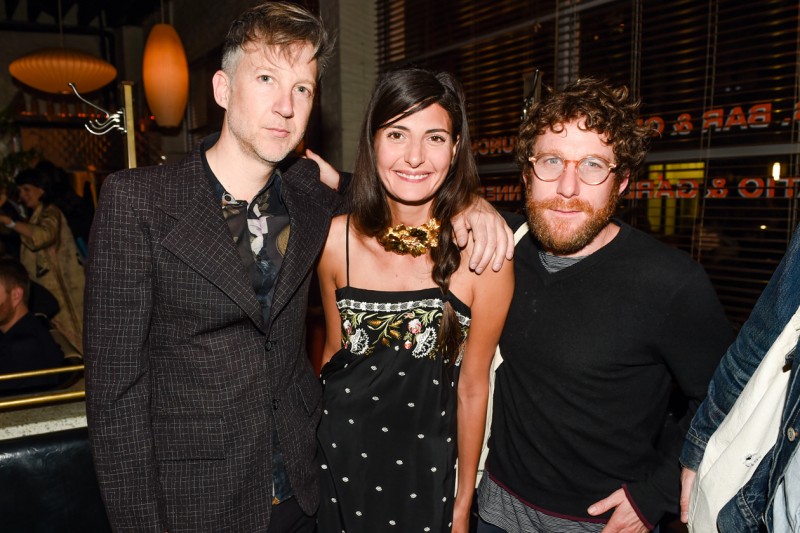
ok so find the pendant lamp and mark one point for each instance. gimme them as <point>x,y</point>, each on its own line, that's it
<point>52,69</point>
<point>165,74</point>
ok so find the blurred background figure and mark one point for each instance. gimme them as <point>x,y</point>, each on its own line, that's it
<point>9,239</point>
<point>25,343</point>
<point>49,253</point>
<point>78,210</point>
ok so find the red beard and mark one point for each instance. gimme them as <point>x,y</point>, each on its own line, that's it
<point>560,237</point>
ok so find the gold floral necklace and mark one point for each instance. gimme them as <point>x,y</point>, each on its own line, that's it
<point>403,240</point>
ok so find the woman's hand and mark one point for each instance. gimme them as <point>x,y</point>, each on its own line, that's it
<point>460,522</point>
<point>327,174</point>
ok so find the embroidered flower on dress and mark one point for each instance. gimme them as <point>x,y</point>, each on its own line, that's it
<point>412,325</point>
<point>426,343</point>
<point>359,342</point>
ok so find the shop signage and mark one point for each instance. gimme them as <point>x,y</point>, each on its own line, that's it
<point>757,116</point>
<point>718,188</point>
<point>753,187</point>
<point>502,193</point>
<point>494,146</point>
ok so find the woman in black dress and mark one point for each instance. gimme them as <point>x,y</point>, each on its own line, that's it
<point>411,330</point>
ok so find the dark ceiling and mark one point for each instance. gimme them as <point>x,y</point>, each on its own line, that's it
<point>39,15</point>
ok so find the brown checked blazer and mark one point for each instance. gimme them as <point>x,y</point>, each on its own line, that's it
<point>184,381</point>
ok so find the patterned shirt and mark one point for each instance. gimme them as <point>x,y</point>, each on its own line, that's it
<point>260,230</point>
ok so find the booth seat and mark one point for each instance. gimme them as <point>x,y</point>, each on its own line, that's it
<point>48,485</point>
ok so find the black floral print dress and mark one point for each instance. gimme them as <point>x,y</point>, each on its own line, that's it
<point>388,430</point>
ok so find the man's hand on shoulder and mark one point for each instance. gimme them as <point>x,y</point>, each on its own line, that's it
<point>624,518</point>
<point>494,240</point>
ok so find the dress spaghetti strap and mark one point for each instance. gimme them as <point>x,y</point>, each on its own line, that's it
<point>347,247</point>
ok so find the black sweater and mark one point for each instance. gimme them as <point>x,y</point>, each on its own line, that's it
<point>590,354</point>
<point>28,346</point>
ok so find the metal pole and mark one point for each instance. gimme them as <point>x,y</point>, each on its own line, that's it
<point>130,124</point>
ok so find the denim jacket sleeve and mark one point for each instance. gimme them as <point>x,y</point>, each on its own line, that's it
<point>776,305</point>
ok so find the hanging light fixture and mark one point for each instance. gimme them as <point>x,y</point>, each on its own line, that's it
<point>165,73</point>
<point>52,69</point>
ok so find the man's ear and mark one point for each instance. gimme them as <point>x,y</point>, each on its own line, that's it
<point>16,296</point>
<point>222,87</point>
<point>623,183</point>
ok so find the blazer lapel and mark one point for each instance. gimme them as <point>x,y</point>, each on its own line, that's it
<point>310,205</point>
<point>201,239</point>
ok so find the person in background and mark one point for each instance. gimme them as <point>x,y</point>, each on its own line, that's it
<point>603,321</point>
<point>201,401</point>
<point>77,210</point>
<point>771,498</point>
<point>9,239</point>
<point>49,253</point>
<point>25,343</point>
<point>411,331</point>
<point>42,303</point>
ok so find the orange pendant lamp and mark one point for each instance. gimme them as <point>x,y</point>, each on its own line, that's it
<point>165,74</point>
<point>52,69</point>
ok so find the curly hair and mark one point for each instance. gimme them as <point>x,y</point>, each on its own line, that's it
<point>603,109</point>
<point>279,24</point>
<point>398,94</point>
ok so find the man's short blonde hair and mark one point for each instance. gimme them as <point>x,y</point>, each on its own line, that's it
<point>279,24</point>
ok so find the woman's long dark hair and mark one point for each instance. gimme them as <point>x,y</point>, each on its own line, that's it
<point>398,94</point>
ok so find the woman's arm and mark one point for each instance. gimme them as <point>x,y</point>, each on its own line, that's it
<point>23,228</point>
<point>492,292</point>
<point>41,234</point>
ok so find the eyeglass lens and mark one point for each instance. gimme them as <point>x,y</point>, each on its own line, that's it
<point>592,170</point>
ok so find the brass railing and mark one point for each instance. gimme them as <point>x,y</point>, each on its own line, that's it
<point>45,398</point>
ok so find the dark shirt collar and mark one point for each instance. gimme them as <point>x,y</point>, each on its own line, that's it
<point>220,191</point>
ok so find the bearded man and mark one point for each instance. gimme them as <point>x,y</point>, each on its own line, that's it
<point>604,321</point>
<point>25,343</point>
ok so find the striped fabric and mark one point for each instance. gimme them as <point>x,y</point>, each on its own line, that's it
<point>499,508</point>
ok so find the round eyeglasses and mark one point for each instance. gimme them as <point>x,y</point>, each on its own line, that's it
<point>592,170</point>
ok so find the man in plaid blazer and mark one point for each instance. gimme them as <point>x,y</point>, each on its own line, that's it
<point>201,401</point>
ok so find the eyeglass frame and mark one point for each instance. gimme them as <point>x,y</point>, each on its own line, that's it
<point>611,167</point>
